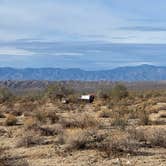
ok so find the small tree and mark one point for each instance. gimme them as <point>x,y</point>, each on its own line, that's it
<point>119,91</point>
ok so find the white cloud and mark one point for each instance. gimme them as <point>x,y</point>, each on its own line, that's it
<point>55,20</point>
<point>14,51</point>
<point>68,54</point>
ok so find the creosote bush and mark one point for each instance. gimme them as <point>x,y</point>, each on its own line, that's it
<point>150,136</point>
<point>30,138</point>
<point>58,90</point>
<point>115,145</point>
<point>5,95</point>
<point>144,117</point>
<point>78,121</point>
<point>119,91</point>
<point>157,138</point>
<point>119,122</point>
<point>108,143</point>
<point>41,116</point>
<point>119,118</point>
<point>56,129</point>
<point>80,139</point>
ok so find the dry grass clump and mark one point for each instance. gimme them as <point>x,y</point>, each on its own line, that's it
<point>78,121</point>
<point>108,143</point>
<point>157,137</point>
<point>2,161</point>
<point>144,117</point>
<point>80,139</point>
<point>28,106</point>
<point>3,132</point>
<point>7,160</point>
<point>52,117</point>
<point>40,116</point>
<point>115,145</point>
<point>11,120</point>
<point>119,119</point>
<point>119,122</point>
<point>30,123</point>
<point>30,138</point>
<point>152,136</point>
<point>51,130</point>
<point>15,162</point>
<point>106,113</point>
<point>46,117</point>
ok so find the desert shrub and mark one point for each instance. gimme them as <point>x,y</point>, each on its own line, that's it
<point>58,90</point>
<point>2,161</point>
<point>78,121</point>
<point>11,120</point>
<point>102,94</point>
<point>7,160</point>
<point>133,114</point>
<point>73,98</point>
<point>105,113</point>
<point>15,162</point>
<point>3,132</point>
<point>51,131</point>
<point>41,116</point>
<point>79,139</point>
<point>75,140</point>
<point>119,91</point>
<point>110,144</point>
<point>30,123</point>
<point>115,145</point>
<point>29,139</point>
<point>5,94</point>
<point>157,138</point>
<point>119,122</point>
<point>144,117</point>
<point>27,107</point>
<point>151,136</point>
<point>32,95</point>
<point>45,117</point>
<point>52,117</point>
<point>119,118</point>
<point>2,115</point>
<point>137,134</point>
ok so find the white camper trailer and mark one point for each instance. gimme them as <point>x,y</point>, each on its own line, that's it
<point>88,98</point>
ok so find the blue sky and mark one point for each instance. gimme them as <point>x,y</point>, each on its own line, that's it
<point>92,35</point>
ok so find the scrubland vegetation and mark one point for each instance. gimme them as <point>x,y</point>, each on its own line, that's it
<point>121,127</point>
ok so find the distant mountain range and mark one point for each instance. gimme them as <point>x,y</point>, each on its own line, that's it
<point>136,73</point>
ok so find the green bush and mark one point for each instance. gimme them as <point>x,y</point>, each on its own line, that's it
<point>5,94</point>
<point>58,90</point>
<point>119,91</point>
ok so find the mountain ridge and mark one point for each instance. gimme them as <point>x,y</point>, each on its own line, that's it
<point>129,73</point>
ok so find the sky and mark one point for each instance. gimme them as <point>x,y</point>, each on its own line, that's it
<point>91,35</point>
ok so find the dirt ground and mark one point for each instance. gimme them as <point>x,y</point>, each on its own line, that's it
<point>49,153</point>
